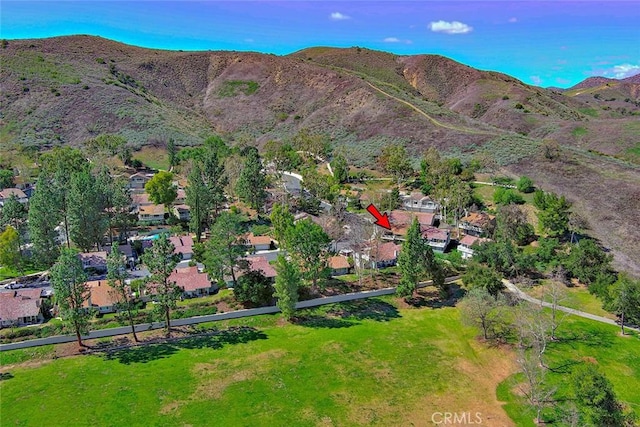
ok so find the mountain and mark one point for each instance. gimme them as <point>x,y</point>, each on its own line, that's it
<point>66,90</point>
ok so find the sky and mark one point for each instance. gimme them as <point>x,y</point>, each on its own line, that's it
<point>546,43</point>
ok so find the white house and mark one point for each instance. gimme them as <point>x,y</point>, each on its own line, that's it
<point>417,202</point>
<point>466,243</point>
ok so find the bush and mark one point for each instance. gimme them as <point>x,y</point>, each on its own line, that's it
<point>506,196</point>
<point>525,185</point>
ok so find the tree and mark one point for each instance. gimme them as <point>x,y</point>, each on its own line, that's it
<point>160,259</point>
<point>340,168</point>
<point>506,196</point>
<point>116,277</point>
<point>198,200</point>
<point>10,248</point>
<point>116,202</point>
<point>480,309</point>
<point>6,178</point>
<point>625,300</point>
<point>577,224</point>
<point>172,152</point>
<point>252,182</point>
<point>596,399</point>
<point>282,221</point>
<point>556,292</point>
<point>161,189</point>
<point>253,287</point>
<point>525,185</point>
<point>307,243</point>
<point>391,200</point>
<point>535,388</point>
<point>513,225</point>
<point>71,291</point>
<point>395,161</point>
<point>283,156</point>
<point>315,143</point>
<point>213,175</point>
<point>553,212</point>
<point>43,220</point>
<point>88,220</point>
<point>586,260</point>
<point>410,264</point>
<point>480,276</point>
<point>14,214</point>
<point>286,286</point>
<point>223,248</point>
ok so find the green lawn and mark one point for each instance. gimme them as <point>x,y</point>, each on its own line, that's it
<point>380,366</point>
<point>362,363</point>
<point>578,298</point>
<point>155,158</point>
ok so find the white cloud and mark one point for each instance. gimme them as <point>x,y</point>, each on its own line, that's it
<point>536,80</point>
<point>249,40</point>
<point>623,71</point>
<point>337,16</point>
<point>391,40</point>
<point>513,20</point>
<point>453,27</point>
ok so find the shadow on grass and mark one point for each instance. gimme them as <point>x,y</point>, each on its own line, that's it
<point>315,321</point>
<point>348,313</point>
<point>5,376</point>
<point>368,309</point>
<point>216,340</point>
<point>430,297</point>
<point>595,337</point>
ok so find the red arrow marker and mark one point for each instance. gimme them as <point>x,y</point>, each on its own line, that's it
<point>381,220</point>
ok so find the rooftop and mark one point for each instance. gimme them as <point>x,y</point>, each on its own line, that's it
<point>190,279</point>
<point>19,303</point>
<point>102,295</point>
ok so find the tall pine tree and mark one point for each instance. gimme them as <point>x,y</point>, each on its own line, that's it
<point>252,182</point>
<point>88,220</point>
<point>43,220</point>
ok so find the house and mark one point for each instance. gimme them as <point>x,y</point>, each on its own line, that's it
<point>181,196</point>
<point>102,297</point>
<point>465,246</point>
<point>138,180</point>
<point>127,252</point>
<point>258,243</point>
<point>477,223</point>
<point>377,256</point>
<point>182,212</point>
<point>8,192</point>
<point>151,213</point>
<point>437,238</point>
<point>183,246</point>
<point>417,202</point>
<point>138,200</point>
<point>254,263</point>
<point>193,282</point>
<point>20,307</point>
<point>400,222</point>
<point>96,261</point>
<point>339,265</point>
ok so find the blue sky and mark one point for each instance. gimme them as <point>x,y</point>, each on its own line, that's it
<point>548,43</point>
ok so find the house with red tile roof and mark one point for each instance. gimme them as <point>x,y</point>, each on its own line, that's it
<point>8,192</point>
<point>477,223</point>
<point>253,263</point>
<point>20,307</point>
<point>193,282</point>
<point>400,222</point>
<point>183,246</point>
<point>437,238</point>
<point>379,255</point>
<point>339,265</point>
<point>258,243</point>
<point>465,245</point>
<point>102,297</point>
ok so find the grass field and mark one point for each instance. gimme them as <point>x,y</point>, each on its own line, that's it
<point>363,363</point>
<point>577,297</point>
<point>380,366</point>
<point>155,158</point>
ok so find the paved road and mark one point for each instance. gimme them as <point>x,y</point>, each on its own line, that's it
<point>515,290</point>
<point>209,318</point>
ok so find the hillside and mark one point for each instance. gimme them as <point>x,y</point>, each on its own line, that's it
<point>66,90</point>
